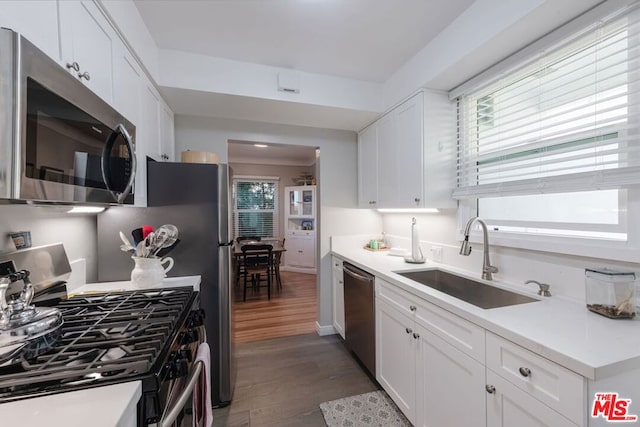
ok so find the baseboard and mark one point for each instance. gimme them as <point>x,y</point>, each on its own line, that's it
<point>325,330</point>
<point>298,269</point>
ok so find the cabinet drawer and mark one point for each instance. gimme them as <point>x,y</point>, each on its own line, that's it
<point>460,333</point>
<point>397,298</point>
<point>552,384</point>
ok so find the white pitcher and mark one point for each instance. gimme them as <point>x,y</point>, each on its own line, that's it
<point>149,272</point>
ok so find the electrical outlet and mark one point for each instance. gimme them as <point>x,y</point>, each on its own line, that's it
<point>436,253</point>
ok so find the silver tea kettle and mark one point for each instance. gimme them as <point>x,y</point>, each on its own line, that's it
<point>26,331</point>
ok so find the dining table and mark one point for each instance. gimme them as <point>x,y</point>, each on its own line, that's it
<point>277,251</point>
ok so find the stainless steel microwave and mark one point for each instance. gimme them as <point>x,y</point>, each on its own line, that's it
<point>59,142</point>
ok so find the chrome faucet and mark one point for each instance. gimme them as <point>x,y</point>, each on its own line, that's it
<point>465,249</point>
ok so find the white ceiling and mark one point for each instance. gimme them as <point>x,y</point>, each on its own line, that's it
<point>273,154</point>
<point>360,39</point>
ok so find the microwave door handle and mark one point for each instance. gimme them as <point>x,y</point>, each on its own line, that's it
<point>119,130</point>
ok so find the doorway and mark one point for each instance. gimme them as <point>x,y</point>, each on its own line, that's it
<point>254,166</point>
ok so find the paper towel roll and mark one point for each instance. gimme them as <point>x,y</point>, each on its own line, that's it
<point>199,157</point>
<point>415,240</point>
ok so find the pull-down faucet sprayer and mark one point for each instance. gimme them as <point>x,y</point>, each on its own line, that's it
<point>465,249</point>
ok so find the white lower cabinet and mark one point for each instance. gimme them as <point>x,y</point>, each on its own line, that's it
<point>508,406</point>
<point>396,357</point>
<point>451,385</point>
<point>442,370</point>
<point>301,249</point>
<point>338,296</point>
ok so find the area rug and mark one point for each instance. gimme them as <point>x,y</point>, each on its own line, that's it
<point>369,409</point>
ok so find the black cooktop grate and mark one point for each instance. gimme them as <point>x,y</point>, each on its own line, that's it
<point>105,338</point>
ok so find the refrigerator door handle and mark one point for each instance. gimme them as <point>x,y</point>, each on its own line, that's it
<point>226,244</point>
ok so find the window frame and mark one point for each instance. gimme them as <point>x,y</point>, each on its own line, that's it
<point>618,250</point>
<point>275,211</point>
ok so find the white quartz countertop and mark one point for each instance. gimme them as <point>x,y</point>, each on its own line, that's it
<point>169,282</point>
<point>557,328</point>
<point>106,406</point>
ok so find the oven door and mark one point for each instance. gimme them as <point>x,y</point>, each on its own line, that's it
<point>71,146</point>
<point>185,375</point>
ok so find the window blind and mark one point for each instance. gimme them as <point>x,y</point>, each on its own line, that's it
<point>565,121</point>
<point>255,207</point>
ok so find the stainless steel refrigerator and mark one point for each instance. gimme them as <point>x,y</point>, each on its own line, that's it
<point>195,198</point>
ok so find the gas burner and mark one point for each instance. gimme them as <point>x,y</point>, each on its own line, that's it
<point>105,338</point>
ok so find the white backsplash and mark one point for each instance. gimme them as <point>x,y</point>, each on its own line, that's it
<point>565,273</point>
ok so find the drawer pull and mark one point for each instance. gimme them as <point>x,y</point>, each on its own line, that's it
<point>490,389</point>
<point>413,308</point>
<point>525,372</point>
<point>409,330</point>
<point>416,336</point>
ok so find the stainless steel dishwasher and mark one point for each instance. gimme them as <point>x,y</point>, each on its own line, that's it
<point>359,315</point>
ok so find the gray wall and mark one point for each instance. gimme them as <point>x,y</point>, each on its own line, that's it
<point>336,172</point>
<point>52,224</point>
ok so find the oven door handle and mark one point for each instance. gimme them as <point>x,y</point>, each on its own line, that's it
<point>119,130</point>
<point>173,413</point>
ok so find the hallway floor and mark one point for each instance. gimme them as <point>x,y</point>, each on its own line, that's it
<point>282,381</point>
<point>291,311</point>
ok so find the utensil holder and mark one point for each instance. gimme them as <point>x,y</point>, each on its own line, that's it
<point>149,272</point>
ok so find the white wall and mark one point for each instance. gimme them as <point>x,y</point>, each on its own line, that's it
<point>565,273</point>
<point>77,232</point>
<point>336,174</point>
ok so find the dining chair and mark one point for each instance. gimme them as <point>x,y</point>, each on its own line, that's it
<point>239,265</point>
<point>275,268</point>
<point>257,260</point>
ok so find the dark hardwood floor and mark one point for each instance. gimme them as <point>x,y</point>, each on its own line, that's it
<point>282,381</point>
<point>291,311</point>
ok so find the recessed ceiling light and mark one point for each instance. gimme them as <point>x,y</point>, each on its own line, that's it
<point>260,145</point>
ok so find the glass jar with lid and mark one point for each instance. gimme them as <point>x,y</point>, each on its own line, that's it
<point>611,293</point>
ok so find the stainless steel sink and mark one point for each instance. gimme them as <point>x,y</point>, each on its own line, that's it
<point>468,290</point>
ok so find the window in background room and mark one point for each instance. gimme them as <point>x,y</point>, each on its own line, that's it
<point>255,207</point>
<point>550,146</point>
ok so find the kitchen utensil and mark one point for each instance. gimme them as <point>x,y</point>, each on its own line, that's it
<point>126,241</point>
<point>171,232</point>
<point>137,235</point>
<point>165,251</point>
<point>129,249</point>
<point>141,250</point>
<point>166,236</point>
<point>146,229</point>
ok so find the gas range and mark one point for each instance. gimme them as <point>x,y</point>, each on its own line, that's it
<point>147,335</point>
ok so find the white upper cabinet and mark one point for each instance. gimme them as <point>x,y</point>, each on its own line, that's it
<point>414,151</point>
<point>39,28</point>
<point>167,133</point>
<point>127,85</point>
<point>87,42</point>
<point>368,167</point>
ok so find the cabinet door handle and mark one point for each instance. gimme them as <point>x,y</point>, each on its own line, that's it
<point>340,281</point>
<point>417,199</point>
<point>409,330</point>
<point>73,65</point>
<point>413,308</point>
<point>525,372</point>
<point>416,335</point>
<point>85,75</point>
<point>490,389</point>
